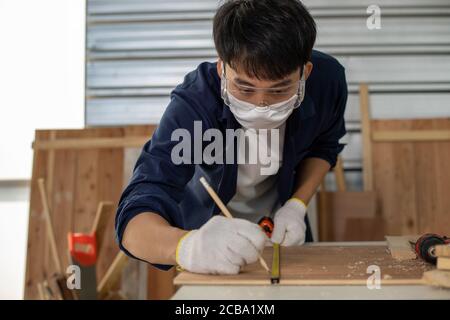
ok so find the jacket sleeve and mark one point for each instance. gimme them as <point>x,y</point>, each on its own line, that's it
<point>157,184</point>
<point>326,146</point>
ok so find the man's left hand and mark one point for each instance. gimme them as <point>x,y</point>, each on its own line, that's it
<point>289,221</point>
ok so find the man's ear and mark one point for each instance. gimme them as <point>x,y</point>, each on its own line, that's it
<point>308,69</point>
<point>219,67</point>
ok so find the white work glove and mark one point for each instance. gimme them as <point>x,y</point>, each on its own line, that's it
<point>289,223</point>
<point>220,246</point>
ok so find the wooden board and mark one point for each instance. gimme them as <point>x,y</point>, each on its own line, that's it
<point>412,178</point>
<point>401,247</point>
<point>78,178</point>
<point>321,265</point>
<point>442,250</point>
<point>443,263</point>
<point>349,216</point>
<point>439,278</point>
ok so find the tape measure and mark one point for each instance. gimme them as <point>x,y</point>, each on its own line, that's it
<point>267,225</point>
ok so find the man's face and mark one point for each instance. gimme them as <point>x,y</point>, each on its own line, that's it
<point>262,92</point>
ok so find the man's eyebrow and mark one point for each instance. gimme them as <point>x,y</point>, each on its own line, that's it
<point>282,83</point>
<point>243,82</point>
<point>276,85</point>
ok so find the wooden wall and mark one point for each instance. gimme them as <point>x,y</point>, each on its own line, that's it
<point>81,168</point>
<point>411,174</point>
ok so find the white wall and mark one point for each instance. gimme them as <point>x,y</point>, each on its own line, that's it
<point>41,86</point>
<point>13,237</point>
<point>41,75</point>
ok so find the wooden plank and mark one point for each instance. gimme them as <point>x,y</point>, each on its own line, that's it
<point>62,196</point>
<point>91,143</point>
<point>442,250</point>
<point>443,263</point>
<point>50,167</point>
<point>426,164</point>
<point>86,199</point>
<point>49,226</point>
<point>112,275</point>
<point>410,135</point>
<point>321,265</point>
<point>366,137</point>
<point>102,216</point>
<point>349,216</point>
<point>110,180</point>
<point>36,242</point>
<point>139,131</point>
<point>437,278</point>
<point>41,291</point>
<point>412,180</point>
<point>401,247</point>
<point>340,177</point>
<point>440,220</point>
<point>395,182</point>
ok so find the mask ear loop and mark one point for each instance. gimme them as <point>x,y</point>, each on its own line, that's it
<point>301,89</point>
<point>223,86</point>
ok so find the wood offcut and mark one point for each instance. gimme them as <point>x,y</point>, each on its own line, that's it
<point>401,247</point>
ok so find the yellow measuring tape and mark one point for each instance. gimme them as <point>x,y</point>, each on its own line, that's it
<point>275,277</point>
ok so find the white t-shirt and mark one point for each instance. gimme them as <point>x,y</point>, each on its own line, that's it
<point>256,192</point>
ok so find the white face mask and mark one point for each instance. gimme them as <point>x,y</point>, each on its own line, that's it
<point>252,116</point>
<point>256,117</point>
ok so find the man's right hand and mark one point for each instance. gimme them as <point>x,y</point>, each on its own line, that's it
<point>220,246</point>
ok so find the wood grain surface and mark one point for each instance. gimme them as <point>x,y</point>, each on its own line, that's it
<point>321,265</point>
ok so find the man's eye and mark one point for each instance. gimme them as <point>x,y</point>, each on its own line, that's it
<point>279,92</point>
<point>244,90</point>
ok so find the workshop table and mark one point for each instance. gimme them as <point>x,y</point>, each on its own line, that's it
<point>309,292</point>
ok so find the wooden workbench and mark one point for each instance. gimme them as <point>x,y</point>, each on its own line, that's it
<point>315,271</point>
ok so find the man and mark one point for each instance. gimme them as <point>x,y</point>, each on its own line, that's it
<point>264,80</point>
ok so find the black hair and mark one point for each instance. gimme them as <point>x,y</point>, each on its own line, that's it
<point>267,39</point>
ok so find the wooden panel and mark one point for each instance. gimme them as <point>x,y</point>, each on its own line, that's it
<point>63,198</point>
<point>401,247</point>
<point>110,185</point>
<point>321,265</point>
<point>349,216</point>
<point>78,179</point>
<point>86,190</point>
<point>412,179</point>
<point>37,239</point>
<point>411,135</point>
<point>365,130</point>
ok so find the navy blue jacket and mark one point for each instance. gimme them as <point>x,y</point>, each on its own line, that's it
<point>174,191</point>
